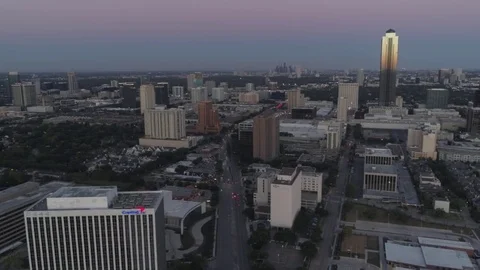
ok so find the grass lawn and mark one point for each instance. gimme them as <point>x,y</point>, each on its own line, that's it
<point>372,243</point>
<point>354,245</point>
<point>363,212</point>
<point>373,258</point>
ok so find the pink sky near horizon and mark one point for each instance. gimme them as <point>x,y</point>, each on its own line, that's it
<point>245,18</point>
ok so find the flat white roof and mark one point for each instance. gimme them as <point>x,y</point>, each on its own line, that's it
<point>378,152</point>
<point>445,243</point>
<point>446,258</point>
<point>405,254</point>
<point>179,209</point>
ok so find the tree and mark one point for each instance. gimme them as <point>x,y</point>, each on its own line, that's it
<point>347,231</point>
<point>309,249</point>
<point>357,132</point>
<point>249,213</point>
<point>370,213</point>
<point>350,190</point>
<point>258,255</point>
<point>316,235</point>
<point>439,213</point>
<point>259,238</point>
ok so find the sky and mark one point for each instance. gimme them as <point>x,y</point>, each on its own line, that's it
<point>111,35</point>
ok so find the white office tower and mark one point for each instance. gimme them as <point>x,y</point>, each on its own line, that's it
<point>198,94</point>
<point>250,87</point>
<point>334,138</point>
<point>165,124</point>
<point>350,92</point>
<point>190,81</point>
<point>422,143</point>
<point>342,109</point>
<point>399,102</point>
<point>209,85</point>
<point>147,97</point>
<point>178,92</point>
<point>298,72</point>
<point>360,77</point>
<point>24,94</point>
<point>285,198</point>
<point>97,228</point>
<point>72,82</point>
<point>38,86</point>
<point>218,94</point>
<point>114,83</point>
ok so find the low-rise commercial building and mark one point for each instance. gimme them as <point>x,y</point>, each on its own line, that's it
<point>458,151</point>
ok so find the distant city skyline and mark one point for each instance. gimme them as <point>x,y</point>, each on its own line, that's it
<point>54,35</point>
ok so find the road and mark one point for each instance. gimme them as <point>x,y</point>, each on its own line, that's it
<point>232,234</point>
<point>333,204</point>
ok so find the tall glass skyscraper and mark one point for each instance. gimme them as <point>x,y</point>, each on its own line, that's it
<point>388,68</point>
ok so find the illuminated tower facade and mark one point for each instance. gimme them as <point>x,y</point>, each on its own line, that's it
<point>388,68</point>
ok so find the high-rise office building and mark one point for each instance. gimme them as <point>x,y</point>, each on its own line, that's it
<point>198,94</point>
<point>250,87</point>
<point>72,82</point>
<point>298,72</point>
<point>129,96</point>
<point>295,100</point>
<point>473,119</point>
<point>165,124</point>
<point>476,98</point>
<point>218,94</point>
<point>97,228</point>
<point>360,77</point>
<point>177,92</point>
<point>437,98</point>
<point>24,95</point>
<point>198,80</point>
<point>266,136</point>
<point>208,121</point>
<point>209,85</point>
<point>388,68</point>
<point>350,92</point>
<point>161,94</point>
<point>147,97</point>
<point>190,81</point>
<point>114,83</point>
<point>38,86</point>
<point>443,75</point>
<point>13,78</point>
<point>342,109</point>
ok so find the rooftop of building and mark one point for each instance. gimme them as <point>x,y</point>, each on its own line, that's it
<point>381,169</point>
<point>446,258</point>
<point>445,243</point>
<point>310,158</point>
<point>378,152</point>
<point>287,171</point>
<point>404,253</point>
<point>114,200</point>
<point>27,193</point>
<point>76,192</point>
<point>456,144</point>
<point>437,89</point>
